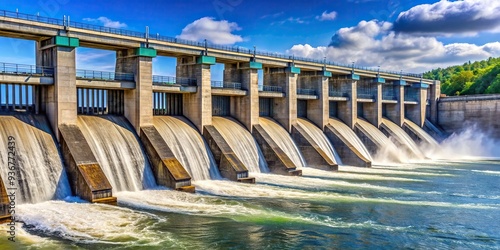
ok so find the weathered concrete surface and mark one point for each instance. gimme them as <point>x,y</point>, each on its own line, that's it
<point>230,166</point>
<point>314,156</point>
<point>458,113</point>
<point>396,111</point>
<point>245,108</point>
<point>373,110</point>
<point>138,101</point>
<point>197,107</point>
<point>285,109</point>
<point>167,169</point>
<point>317,109</point>
<point>416,113</point>
<point>60,99</point>
<point>277,161</point>
<point>347,152</point>
<point>348,110</point>
<point>86,177</point>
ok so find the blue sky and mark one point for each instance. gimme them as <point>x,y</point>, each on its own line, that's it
<point>413,36</point>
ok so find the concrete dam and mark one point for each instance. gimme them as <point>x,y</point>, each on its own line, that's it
<point>91,133</point>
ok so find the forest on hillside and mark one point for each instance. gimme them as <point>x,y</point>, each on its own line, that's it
<point>481,77</point>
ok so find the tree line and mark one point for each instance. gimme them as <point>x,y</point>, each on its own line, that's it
<point>481,77</point>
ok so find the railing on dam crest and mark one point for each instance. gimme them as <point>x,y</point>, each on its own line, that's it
<point>23,69</point>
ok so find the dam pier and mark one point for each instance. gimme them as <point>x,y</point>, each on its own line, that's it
<point>129,130</point>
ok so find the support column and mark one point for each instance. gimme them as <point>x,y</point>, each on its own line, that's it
<point>318,110</point>
<point>417,113</point>
<point>138,102</point>
<point>245,108</point>
<point>197,107</point>
<point>285,109</point>
<point>60,99</point>
<point>434,98</point>
<point>373,111</point>
<point>348,110</point>
<point>396,112</point>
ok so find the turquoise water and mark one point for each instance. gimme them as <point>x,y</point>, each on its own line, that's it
<point>426,205</point>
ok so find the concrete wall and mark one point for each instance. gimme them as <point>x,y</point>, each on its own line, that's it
<point>458,113</point>
<point>285,109</point>
<point>59,99</point>
<point>244,108</point>
<point>396,111</point>
<point>317,110</point>
<point>139,101</point>
<point>373,110</point>
<point>348,110</point>
<point>197,106</point>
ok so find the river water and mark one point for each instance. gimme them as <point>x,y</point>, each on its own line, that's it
<point>425,205</point>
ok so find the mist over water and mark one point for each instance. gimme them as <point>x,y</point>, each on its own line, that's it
<point>470,143</point>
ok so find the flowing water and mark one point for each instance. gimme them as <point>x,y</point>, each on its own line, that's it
<point>350,136</point>
<point>436,205</point>
<point>387,151</point>
<point>283,139</point>
<point>117,149</point>
<point>242,143</point>
<point>402,138</point>
<point>320,138</point>
<point>188,146</point>
<point>38,173</point>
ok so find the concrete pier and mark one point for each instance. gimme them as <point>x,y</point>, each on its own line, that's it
<point>277,161</point>
<point>167,169</point>
<point>230,166</point>
<point>285,109</point>
<point>244,108</point>
<point>86,177</point>
<point>396,111</point>
<point>197,106</point>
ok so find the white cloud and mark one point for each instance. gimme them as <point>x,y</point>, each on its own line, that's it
<point>466,17</point>
<point>373,43</point>
<point>218,32</point>
<point>327,16</point>
<point>290,20</point>
<point>106,22</point>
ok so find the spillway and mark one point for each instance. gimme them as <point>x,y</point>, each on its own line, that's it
<point>385,148</point>
<point>117,149</point>
<point>188,146</point>
<point>402,138</point>
<point>281,137</point>
<point>242,143</point>
<point>351,137</point>
<point>39,172</point>
<point>421,133</point>
<point>319,137</point>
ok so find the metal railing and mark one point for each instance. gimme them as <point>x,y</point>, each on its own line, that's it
<point>336,93</point>
<point>104,75</point>
<point>23,69</point>
<point>226,85</point>
<point>411,94</point>
<point>172,80</point>
<point>269,88</point>
<point>366,96</point>
<point>158,37</point>
<point>306,92</point>
<point>389,97</point>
